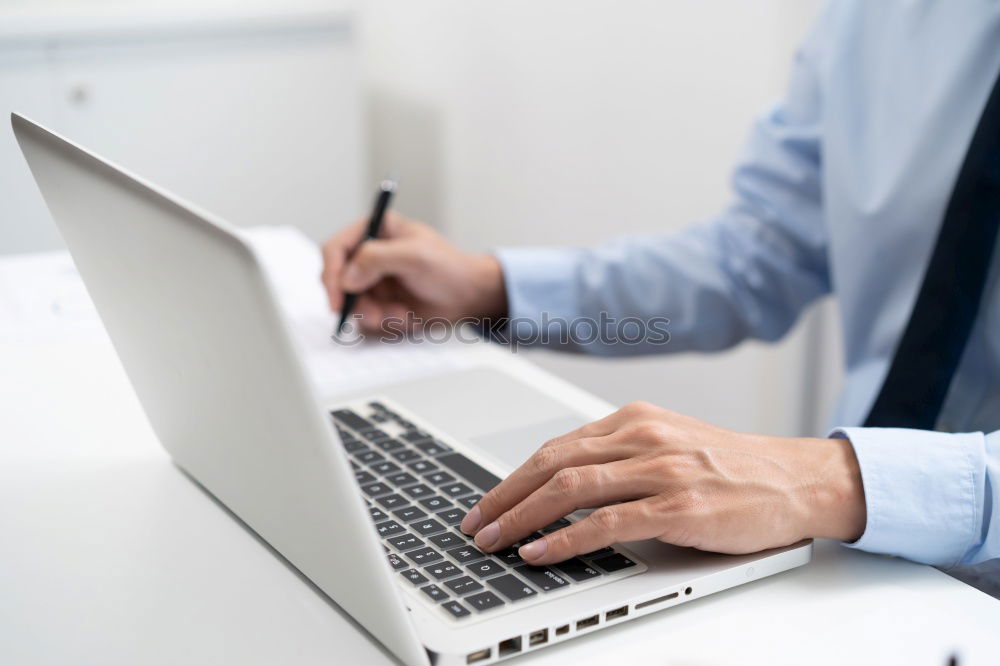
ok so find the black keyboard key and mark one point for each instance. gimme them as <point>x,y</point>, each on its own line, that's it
<point>413,576</point>
<point>578,570</point>
<point>385,468</point>
<point>468,470</point>
<point>437,478</point>
<point>405,455</point>
<point>433,448</point>
<point>427,526</point>
<point>484,601</point>
<point>511,587</point>
<point>355,466</point>
<point>452,516</point>
<point>401,479</point>
<point>455,608</point>
<point>375,435</point>
<point>392,501</point>
<point>418,491</point>
<point>389,444</point>
<point>353,445</point>
<point>376,489</point>
<point>405,541</point>
<point>447,540</point>
<point>364,477</point>
<point>423,466</point>
<point>455,489</point>
<point>600,552</point>
<point>465,554</point>
<point>509,557</point>
<point>350,419</point>
<point>370,457</point>
<point>436,503</point>
<point>442,570</point>
<point>415,436</point>
<point>434,592</point>
<point>464,585</point>
<point>615,562</point>
<point>389,528</point>
<point>377,514</point>
<point>424,556</point>
<point>470,501</point>
<point>543,578</point>
<point>558,525</point>
<point>396,561</point>
<point>485,568</point>
<point>409,513</point>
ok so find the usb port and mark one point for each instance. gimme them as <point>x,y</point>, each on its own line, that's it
<point>587,622</point>
<point>616,613</point>
<point>481,655</point>
<point>509,646</point>
<point>540,637</point>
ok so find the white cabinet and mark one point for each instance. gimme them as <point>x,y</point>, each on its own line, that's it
<point>254,117</point>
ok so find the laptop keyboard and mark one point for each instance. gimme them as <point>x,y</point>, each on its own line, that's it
<point>418,490</point>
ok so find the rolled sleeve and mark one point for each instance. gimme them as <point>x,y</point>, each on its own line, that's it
<point>923,492</point>
<point>540,285</point>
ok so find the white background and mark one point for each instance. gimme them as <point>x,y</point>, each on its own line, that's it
<point>567,121</point>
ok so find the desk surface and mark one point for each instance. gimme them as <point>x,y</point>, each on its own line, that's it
<point>110,555</point>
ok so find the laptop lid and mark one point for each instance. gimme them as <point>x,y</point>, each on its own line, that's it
<point>194,322</point>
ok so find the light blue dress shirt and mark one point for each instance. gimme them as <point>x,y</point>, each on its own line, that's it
<point>842,188</point>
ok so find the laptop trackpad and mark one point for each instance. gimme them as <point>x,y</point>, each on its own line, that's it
<point>513,447</point>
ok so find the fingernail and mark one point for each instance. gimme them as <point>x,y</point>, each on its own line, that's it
<point>472,519</point>
<point>352,276</point>
<point>533,550</point>
<point>488,535</point>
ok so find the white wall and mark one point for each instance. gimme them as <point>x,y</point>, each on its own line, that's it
<point>576,120</point>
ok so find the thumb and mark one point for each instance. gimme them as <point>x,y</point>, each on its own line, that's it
<point>381,258</point>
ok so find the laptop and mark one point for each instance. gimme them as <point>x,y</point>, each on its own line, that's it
<point>364,496</point>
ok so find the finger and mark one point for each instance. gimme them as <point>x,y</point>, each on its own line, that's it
<point>630,521</point>
<point>569,489</point>
<point>378,259</point>
<point>335,251</point>
<point>535,471</point>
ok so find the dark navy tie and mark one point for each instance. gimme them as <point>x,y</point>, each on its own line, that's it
<point>948,302</point>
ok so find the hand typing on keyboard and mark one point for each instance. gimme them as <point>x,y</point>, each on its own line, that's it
<point>678,480</point>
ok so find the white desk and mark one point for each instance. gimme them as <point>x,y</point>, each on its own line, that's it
<point>109,555</point>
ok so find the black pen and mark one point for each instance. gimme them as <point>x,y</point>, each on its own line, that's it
<point>385,191</point>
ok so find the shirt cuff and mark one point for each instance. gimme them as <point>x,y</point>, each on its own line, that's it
<point>541,289</point>
<point>922,492</point>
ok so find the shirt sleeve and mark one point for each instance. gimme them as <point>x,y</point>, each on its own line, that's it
<point>931,497</point>
<point>748,272</point>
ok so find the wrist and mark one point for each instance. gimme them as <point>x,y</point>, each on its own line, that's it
<point>489,290</point>
<point>836,497</point>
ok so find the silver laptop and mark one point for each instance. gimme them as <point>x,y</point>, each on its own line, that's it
<point>363,497</point>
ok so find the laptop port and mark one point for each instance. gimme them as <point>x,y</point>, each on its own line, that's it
<point>587,622</point>
<point>509,646</point>
<point>657,600</point>
<point>481,655</point>
<point>540,637</point>
<point>563,630</point>
<point>616,613</point>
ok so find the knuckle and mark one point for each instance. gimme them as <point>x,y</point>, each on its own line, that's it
<point>545,460</point>
<point>568,481</point>
<point>688,499</point>
<point>607,520</point>
<point>649,432</point>
<point>638,408</point>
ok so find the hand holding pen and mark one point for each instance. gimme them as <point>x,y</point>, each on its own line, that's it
<point>391,274</point>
